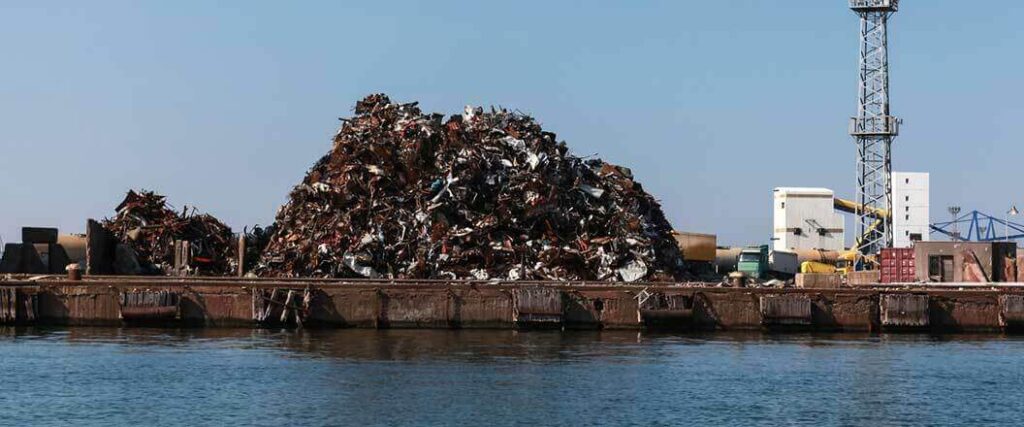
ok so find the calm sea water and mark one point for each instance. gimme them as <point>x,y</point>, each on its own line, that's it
<point>101,376</point>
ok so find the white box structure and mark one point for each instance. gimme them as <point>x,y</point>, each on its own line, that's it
<point>910,213</point>
<point>805,218</point>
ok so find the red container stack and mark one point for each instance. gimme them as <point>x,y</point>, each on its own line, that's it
<point>898,265</point>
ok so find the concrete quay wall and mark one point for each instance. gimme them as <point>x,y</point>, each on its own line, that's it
<point>435,304</point>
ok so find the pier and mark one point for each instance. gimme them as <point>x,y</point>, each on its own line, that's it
<point>232,302</point>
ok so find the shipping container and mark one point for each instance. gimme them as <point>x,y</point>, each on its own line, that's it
<point>783,262</point>
<point>898,265</point>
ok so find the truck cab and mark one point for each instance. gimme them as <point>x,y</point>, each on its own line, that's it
<point>753,261</point>
<point>758,262</point>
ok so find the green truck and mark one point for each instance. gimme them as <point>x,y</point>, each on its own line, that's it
<point>759,262</point>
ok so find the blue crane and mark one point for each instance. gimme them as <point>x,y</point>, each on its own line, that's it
<point>979,227</point>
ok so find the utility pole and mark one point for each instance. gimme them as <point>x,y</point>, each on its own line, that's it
<point>1006,222</point>
<point>874,129</point>
<point>954,211</point>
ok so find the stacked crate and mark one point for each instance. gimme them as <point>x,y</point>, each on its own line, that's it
<point>898,265</point>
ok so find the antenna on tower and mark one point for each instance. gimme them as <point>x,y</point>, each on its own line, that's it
<point>874,129</point>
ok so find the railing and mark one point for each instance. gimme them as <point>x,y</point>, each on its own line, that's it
<point>885,125</point>
<point>890,5</point>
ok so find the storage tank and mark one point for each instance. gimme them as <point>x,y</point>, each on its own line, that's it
<point>725,259</point>
<point>696,247</point>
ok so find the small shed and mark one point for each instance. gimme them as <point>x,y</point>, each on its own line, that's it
<point>965,261</point>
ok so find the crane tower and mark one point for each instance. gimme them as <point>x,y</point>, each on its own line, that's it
<point>874,129</point>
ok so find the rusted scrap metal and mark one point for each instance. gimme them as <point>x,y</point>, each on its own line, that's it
<point>254,242</point>
<point>149,305</point>
<point>904,310</point>
<point>482,195</point>
<point>148,228</point>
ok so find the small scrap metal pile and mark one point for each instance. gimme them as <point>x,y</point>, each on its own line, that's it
<point>147,225</point>
<point>482,195</point>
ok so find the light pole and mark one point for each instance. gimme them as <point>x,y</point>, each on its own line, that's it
<point>1013,211</point>
<point>954,211</point>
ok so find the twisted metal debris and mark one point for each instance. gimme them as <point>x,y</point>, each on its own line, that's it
<point>146,223</point>
<point>482,195</point>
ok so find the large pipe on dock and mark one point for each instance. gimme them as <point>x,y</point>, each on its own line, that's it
<point>725,258</point>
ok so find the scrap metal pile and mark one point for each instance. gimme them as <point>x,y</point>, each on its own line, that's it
<point>146,224</point>
<point>482,195</point>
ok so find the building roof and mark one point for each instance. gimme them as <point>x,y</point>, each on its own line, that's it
<point>803,191</point>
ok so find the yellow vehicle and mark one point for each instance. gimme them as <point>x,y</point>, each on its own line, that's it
<point>843,264</point>
<point>812,267</point>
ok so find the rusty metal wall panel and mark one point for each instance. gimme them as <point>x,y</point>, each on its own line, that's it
<point>538,301</point>
<point>542,305</point>
<point>852,312</point>
<point>480,308</point>
<point>965,312</point>
<point>619,312</point>
<point>591,309</point>
<point>88,305</point>
<point>904,310</point>
<point>582,311</point>
<point>217,308</point>
<point>349,307</point>
<point>785,310</point>
<point>728,310</point>
<point>149,305</point>
<point>1011,310</point>
<point>667,310</point>
<point>415,309</point>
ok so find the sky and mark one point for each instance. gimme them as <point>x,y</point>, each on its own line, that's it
<point>712,104</point>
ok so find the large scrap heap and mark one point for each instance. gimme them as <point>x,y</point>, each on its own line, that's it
<point>483,195</point>
<point>146,224</point>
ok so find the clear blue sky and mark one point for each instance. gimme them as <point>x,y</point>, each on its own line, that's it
<point>711,103</point>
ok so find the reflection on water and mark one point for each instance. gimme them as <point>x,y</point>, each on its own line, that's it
<point>469,345</point>
<point>469,377</point>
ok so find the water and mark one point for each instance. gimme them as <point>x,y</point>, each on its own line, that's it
<point>104,376</point>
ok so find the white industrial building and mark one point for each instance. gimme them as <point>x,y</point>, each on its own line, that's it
<point>910,205</point>
<point>805,218</point>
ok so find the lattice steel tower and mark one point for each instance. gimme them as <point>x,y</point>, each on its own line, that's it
<point>873,128</point>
